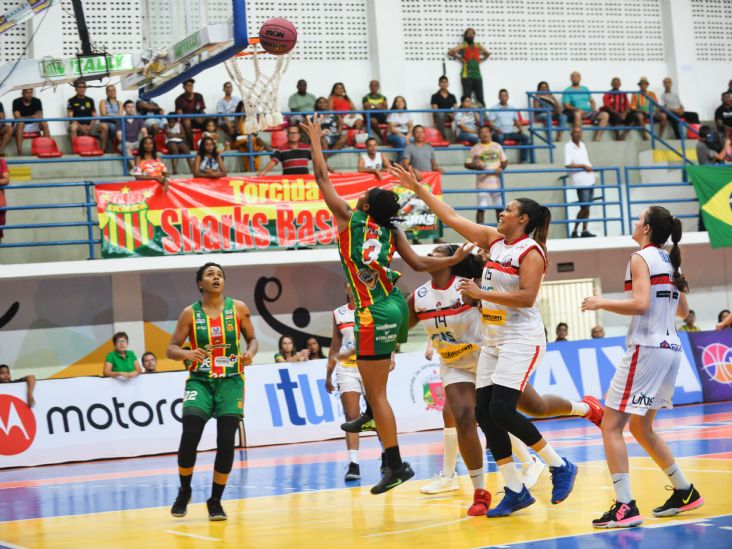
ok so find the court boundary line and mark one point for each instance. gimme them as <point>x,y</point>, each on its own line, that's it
<point>437,525</point>
<point>8,545</point>
<point>192,535</point>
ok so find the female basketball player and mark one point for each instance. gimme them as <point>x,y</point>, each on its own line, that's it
<point>367,239</point>
<point>645,380</point>
<point>214,326</point>
<point>513,334</point>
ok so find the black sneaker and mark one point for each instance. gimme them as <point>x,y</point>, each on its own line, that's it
<point>575,234</point>
<point>382,467</point>
<point>587,234</point>
<point>356,425</point>
<point>680,501</point>
<point>392,479</point>
<point>215,511</point>
<point>354,472</point>
<point>180,506</point>
<point>620,515</point>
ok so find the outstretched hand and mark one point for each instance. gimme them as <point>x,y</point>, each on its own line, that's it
<point>592,303</point>
<point>311,126</point>
<point>407,178</point>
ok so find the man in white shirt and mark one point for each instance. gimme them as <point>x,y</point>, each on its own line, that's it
<point>506,125</point>
<point>575,156</point>
<point>227,105</point>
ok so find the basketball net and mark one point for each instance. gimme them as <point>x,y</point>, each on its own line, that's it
<point>259,95</point>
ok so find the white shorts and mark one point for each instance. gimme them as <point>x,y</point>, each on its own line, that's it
<point>348,380</point>
<point>450,375</point>
<point>644,380</point>
<point>488,198</point>
<point>508,365</point>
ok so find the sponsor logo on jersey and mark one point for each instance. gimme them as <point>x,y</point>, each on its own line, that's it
<point>642,400</point>
<point>17,426</point>
<point>365,318</point>
<point>369,277</point>
<point>216,330</point>
<point>421,291</point>
<point>672,346</point>
<point>493,316</point>
<point>230,327</point>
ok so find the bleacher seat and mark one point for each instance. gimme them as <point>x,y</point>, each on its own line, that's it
<point>86,145</point>
<point>197,136</point>
<point>352,140</point>
<point>160,139</point>
<point>31,135</point>
<point>45,147</point>
<point>282,126</point>
<point>691,134</point>
<point>279,138</point>
<point>433,137</point>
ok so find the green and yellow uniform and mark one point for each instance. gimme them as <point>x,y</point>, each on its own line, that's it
<point>216,385</point>
<point>366,249</point>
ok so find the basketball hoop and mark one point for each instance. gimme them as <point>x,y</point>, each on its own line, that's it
<point>259,95</point>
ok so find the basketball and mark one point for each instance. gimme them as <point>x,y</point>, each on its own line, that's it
<point>278,36</point>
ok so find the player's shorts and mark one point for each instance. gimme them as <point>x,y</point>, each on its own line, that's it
<point>381,327</point>
<point>508,364</point>
<point>450,375</point>
<point>214,396</point>
<point>644,380</point>
<point>348,380</point>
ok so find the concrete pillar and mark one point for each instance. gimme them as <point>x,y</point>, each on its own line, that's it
<point>387,46</point>
<point>127,309</point>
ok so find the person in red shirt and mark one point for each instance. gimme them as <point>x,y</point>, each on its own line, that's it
<point>4,180</point>
<point>618,107</point>
<point>190,102</point>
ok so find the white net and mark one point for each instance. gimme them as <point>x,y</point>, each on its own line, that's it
<point>259,95</point>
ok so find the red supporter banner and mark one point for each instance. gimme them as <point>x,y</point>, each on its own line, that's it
<point>136,218</point>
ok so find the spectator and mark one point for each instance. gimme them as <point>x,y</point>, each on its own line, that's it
<point>708,148</point>
<point>420,155</point>
<point>688,325</point>
<point>148,164</point>
<point>293,156</point>
<point>545,99</point>
<point>26,106</point>
<point>575,156</point>
<point>29,379</point>
<point>208,163</point>
<point>724,319</point>
<point>6,131</point>
<point>466,123</point>
<point>339,101</point>
<point>672,103</point>
<point>375,101</point>
<point>175,142</point>
<point>149,363</point>
<point>288,352</point>
<point>562,331</point>
<point>598,332</point>
<point>301,101</point>
<point>579,104</point>
<point>487,156</point>
<point>134,128</point>
<point>723,115</point>
<point>227,105</point>
<point>400,126</point>
<point>641,104</point>
<point>333,135</point>
<point>617,106</point>
<point>190,102</point>
<point>313,349</point>
<point>111,106</point>
<point>506,124</point>
<point>154,113</point>
<point>210,129</point>
<point>471,54</point>
<point>443,99</point>
<point>80,106</point>
<point>4,180</point>
<point>372,161</point>
<point>121,362</point>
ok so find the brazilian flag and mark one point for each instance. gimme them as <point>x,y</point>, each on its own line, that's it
<point>713,186</point>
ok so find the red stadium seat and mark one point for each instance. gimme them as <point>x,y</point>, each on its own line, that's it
<point>282,126</point>
<point>279,138</point>
<point>45,147</point>
<point>352,138</point>
<point>690,134</point>
<point>433,137</point>
<point>522,120</point>
<point>160,140</point>
<point>510,142</point>
<point>197,136</point>
<point>31,135</point>
<point>86,145</point>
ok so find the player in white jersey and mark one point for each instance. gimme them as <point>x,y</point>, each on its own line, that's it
<point>513,334</point>
<point>645,380</point>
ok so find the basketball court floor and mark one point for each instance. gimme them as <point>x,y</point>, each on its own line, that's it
<point>290,496</point>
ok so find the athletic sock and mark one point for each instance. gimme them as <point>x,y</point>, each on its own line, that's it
<point>393,457</point>
<point>579,408</point>
<point>450,450</point>
<point>477,477</point>
<point>520,450</point>
<point>550,457</point>
<point>677,478</point>
<point>621,484</point>
<point>511,477</point>
<point>352,456</point>
<point>219,483</point>
<point>185,474</point>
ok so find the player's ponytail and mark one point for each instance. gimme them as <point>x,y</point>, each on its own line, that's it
<point>383,207</point>
<point>539,219</point>
<point>663,225</point>
<point>470,267</point>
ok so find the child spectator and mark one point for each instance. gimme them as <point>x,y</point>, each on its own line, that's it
<point>211,130</point>
<point>400,126</point>
<point>175,142</point>
<point>208,164</point>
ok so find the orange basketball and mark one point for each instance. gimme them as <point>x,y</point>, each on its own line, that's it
<point>278,36</point>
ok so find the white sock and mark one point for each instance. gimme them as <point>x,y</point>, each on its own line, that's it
<point>520,450</point>
<point>352,456</point>
<point>511,477</point>
<point>677,478</point>
<point>579,408</point>
<point>450,450</point>
<point>477,477</point>
<point>550,457</point>
<point>621,483</point>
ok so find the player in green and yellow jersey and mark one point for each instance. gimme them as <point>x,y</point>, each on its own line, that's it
<point>214,326</point>
<point>367,240</point>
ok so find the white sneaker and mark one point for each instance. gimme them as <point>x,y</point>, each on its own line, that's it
<point>531,473</point>
<point>441,484</point>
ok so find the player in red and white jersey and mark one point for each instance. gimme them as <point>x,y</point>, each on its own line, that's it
<point>645,380</point>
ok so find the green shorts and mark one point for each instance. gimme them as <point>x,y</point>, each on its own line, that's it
<point>381,327</point>
<point>214,396</point>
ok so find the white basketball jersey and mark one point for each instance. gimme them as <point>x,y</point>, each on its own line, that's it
<point>345,321</point>
<point>372,163</point>
<point>656,327</point>
<point>501,273</point>
<point>453,326</point>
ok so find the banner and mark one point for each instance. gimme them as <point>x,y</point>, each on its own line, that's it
<point>136,218</point>
<point>713,356</point>
<point>713,186</point>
